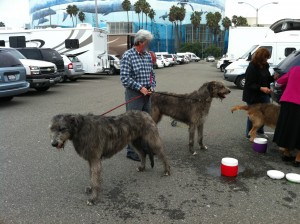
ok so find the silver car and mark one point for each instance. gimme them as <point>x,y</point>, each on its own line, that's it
<point>73,67</point>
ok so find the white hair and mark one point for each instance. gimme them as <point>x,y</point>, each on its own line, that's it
<point>142,36</point>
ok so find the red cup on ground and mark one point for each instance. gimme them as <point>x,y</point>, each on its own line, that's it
<point>229,167</point>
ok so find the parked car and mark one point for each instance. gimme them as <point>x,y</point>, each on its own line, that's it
<point>41,75</point>
<point>210,58</point>
<point>171,59</point>
<point>165,60</point>
<point>159,62</point>
<point>283,67</point>
<point>153,57</point>
<point>114,63</point>
<point>193,56</point>
<point>73,67</point>
<point>45,54</point>
<point>182,59</point>
<point>12,77</point>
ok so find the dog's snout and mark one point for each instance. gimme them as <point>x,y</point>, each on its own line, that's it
<point>54,143</point>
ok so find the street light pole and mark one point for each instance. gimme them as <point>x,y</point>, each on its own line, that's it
<point>256,9</point>
<point>96,13</point>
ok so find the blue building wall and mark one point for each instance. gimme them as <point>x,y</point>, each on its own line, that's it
<point>53,12</point>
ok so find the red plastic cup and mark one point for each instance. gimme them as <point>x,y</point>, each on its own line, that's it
<point>229,167</point>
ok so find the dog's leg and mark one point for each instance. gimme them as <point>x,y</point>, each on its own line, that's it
<point>137,145</point>
<point>200,137</point>
<point>157,147</point>
<point>192,129</point>
<point>95,170</point>
<point>252,133</point>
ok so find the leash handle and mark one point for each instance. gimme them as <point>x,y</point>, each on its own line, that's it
<point>132,99</point>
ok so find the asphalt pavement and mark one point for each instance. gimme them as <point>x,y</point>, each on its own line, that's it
<point>39,184</point>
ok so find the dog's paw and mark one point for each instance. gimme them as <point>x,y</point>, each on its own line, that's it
<point>88,190</point>
<point>140,169</point>
<point>90,202</point>
<point>204,147</point>
<point>194,153</point>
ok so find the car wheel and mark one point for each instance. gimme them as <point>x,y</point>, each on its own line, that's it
<point>112,71</point>
<point>240,82</point>
<point>73,79</point>
<point>42,89</point>
<point>64,78</point>
<point>222,67</point>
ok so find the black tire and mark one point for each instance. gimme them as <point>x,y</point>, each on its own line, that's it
<point>42,89</point>
<point>73,79</point>
<point>112,71</point>
<point>64,78</point>
<point>222,67</point>
<point>240,82</point>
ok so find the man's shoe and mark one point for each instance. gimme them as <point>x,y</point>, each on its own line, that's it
<point>133,156</point>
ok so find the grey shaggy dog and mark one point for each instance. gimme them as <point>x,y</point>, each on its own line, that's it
<point>99,137</point>
<point>191,108</point>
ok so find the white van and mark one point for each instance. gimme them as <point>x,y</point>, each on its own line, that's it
<point>280,45</point>
<point>193,56</point>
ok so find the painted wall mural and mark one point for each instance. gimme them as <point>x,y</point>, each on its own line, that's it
<point>53,12</point>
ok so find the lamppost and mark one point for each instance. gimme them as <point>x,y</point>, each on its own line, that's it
<point>96,13</point>
<point>256,9</point>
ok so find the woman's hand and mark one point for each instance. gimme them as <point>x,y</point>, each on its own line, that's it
<point>266,90</point>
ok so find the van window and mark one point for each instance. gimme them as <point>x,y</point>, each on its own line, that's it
<point>2,43</point>
<point>288,51</point>
<point>72,43</point>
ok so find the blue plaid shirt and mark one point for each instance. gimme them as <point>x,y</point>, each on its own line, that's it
<point>137,70</point>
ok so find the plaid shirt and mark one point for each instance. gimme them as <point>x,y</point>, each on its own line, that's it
<point>136,70</point>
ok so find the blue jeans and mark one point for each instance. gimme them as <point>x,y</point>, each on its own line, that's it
<point>265,99</point>
<point>143,103</point>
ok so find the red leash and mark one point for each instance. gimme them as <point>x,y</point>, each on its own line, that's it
<point>132,99</point>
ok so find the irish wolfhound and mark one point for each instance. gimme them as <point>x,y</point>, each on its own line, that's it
<point>98,137</point>
<point>191,108</point>
<point>260,114</point>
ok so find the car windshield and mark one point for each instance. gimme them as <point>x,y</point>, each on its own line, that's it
<point>246,55</point>
<point>15,53</point>
<point>289,62</point>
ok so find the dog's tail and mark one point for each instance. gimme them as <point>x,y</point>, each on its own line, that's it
<point>239,107</point>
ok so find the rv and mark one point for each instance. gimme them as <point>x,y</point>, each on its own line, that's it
<point>89,44</point>
<point>280,44</point>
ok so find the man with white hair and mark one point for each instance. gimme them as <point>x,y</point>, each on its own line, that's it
<point>137,76</point>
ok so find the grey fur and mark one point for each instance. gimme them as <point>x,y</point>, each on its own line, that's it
<point>191,108</point>
<point>98,137</point>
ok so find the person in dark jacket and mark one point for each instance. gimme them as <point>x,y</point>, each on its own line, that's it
<point>257,84</point>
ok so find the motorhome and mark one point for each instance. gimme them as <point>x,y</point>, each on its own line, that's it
<point>240,39</point>
<point>280,45</point>
<point>88,43</point>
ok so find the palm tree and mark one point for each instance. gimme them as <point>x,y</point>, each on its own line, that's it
<point>81,16</point>
<point>69,10</point>
<point>2,24</point>
<point>226,23</point>
<point>181,16</point>
<point>147,9</point>
<point>151,16</point>
<point>126,5</point>
<point>75,10</point>
<point>195,20</point>
<point>213,20</point>
<point>137,9</point>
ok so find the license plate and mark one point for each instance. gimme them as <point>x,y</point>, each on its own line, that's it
<point>11,77</point>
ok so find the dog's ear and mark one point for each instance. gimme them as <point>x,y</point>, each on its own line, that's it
<point>210,87</point>
<point>75,119</point>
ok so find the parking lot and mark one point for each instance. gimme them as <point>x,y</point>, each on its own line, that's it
<point>42,185</point>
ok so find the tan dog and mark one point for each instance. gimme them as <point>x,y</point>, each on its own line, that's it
<point>260,114</point>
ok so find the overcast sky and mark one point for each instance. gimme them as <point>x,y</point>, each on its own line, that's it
<point>267,14</point>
